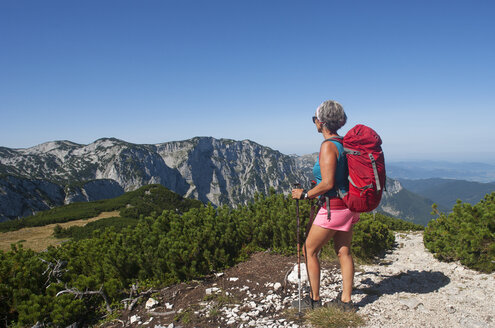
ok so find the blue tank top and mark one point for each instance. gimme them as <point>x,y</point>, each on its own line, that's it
<point>341,172</point>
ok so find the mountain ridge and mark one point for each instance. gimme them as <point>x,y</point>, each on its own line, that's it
<point>220,171</point>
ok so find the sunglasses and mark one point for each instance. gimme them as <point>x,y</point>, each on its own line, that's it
<point>314,119</point>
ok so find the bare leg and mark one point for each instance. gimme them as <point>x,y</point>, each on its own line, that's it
<point>342,244</point>
<point>317,238</point>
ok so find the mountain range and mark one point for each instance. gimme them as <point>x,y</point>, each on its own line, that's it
<point>414,170</point>
<point>220,171</point>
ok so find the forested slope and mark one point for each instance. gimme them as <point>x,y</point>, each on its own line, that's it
<point>132,204</point>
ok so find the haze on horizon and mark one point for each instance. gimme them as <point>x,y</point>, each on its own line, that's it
<point>420,73</point>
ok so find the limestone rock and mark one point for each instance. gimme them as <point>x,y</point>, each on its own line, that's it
<point>151,303</point>
<point>212,290</point>
<point>293,277</point>
<point>134,318</point>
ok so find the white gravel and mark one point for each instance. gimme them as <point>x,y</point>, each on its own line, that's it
<point>413,289</point>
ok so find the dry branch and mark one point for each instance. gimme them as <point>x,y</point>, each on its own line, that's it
<point>78,293</point>
<point>161,314</point>
<point>54,270</point>
<point>133,299</point>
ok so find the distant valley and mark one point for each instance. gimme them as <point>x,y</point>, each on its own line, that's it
<point>469,171</point>
<point>446,192</point>
<point>220,171</point>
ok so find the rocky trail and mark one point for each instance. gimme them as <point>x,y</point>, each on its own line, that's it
<point>412,289</point>
<point>407,288</point>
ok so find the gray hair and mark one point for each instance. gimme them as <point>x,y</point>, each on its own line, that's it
<point>332,115</point>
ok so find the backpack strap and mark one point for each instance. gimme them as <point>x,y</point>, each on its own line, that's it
<point>351,151</point>
<point>361,188</point>
<point>375,171</point>
<point>338,139</point>
<point>340,193</point>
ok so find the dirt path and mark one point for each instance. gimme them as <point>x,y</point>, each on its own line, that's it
<point>412,289</point>
<point>39,238</point>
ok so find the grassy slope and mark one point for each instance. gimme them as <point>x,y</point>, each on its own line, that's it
<point>39,238</point>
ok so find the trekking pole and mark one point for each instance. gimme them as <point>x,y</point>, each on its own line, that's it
<point>297,185</point>
<point>306,233</point>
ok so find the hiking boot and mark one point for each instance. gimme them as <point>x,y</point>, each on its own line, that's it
<point>307,303</point>
<point>344,306</point>
<point>316,304</point>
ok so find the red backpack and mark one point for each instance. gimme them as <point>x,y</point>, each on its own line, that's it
<point>366,163</point>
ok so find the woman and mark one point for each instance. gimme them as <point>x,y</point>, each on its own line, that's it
<point>331,174</point>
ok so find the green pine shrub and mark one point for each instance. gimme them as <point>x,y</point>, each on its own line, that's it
<point>467,234</point>
<point>371,238</point>
<point>160,249</point>
<point>87,231</point>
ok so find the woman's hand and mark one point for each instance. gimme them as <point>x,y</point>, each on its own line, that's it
<point>297,193</point>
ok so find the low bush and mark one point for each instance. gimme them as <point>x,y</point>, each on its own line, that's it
<point>467,234</point>
<point>87,231</point>
<point>162,248</point>
<point>371,238</point>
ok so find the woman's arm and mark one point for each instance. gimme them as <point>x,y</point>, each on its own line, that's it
<point>328,164</point>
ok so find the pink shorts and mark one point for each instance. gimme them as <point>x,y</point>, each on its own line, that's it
<point>341,220</point>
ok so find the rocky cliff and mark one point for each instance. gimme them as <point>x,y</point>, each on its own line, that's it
<point>220,171</point>
<point>20,197</point>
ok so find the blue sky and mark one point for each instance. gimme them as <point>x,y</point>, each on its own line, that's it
<point>421,73</point>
